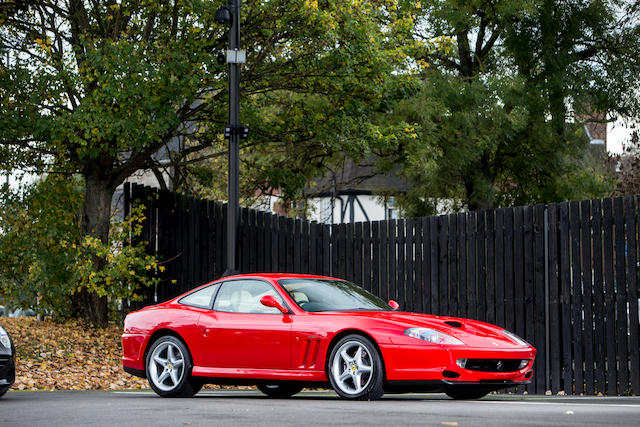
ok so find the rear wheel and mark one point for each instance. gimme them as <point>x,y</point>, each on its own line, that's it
<point>3,391</point>
<point>280,390</point>
<point>355,369</point>
<point>169,369</point>
<point>466,394</point>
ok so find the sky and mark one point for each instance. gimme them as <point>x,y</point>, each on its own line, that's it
<point>617,133</point>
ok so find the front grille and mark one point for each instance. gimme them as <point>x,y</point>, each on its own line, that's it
<point>493,365</point>
<point>4,360</point>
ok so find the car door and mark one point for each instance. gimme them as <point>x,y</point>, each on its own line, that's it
<point>242,333</point>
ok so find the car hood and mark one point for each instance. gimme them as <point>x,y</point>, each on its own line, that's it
<point>471,332</point>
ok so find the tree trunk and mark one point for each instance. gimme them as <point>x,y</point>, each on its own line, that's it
<point>558,110</point>
<point>478,186</point>
<point>95,223</point>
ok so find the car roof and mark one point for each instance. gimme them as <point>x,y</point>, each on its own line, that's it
<point>265,276</point>
<point>277,276</point>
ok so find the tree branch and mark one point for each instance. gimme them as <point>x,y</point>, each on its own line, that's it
<point>492,40</point>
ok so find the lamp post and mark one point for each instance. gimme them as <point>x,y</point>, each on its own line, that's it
<point>234,131</point>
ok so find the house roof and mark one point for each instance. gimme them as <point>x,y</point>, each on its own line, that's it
<point>595,126</point>
<point>360,178</point>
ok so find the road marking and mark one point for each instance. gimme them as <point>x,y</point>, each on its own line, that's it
<point>574,403</point>
<point>130,392</point>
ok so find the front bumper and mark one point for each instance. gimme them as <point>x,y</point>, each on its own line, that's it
<point>442,386</point>
<point>419,363</point>
<point>7,370</point>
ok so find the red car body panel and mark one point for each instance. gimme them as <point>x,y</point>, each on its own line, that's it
<point>295,346</point>
<point>244,341</point>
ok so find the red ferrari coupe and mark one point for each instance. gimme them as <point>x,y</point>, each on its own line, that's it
<point>283,332</point>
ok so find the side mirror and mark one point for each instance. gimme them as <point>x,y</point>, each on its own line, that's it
<point>394,304</point>
<point>271,301</point>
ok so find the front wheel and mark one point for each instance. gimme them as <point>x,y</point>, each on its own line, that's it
<point>169,368</point>
<point>3,391</point>
<point>280,390</point>
<point>466,394</point>
<point>355,369</point>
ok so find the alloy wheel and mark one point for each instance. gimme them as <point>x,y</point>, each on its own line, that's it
<point>352,368</point>
<point>166,366</point>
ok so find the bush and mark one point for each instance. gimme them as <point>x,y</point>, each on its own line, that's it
<point>45,262</point>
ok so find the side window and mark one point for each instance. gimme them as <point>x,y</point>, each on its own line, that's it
<point>243,296</point>
<point>200,298</point>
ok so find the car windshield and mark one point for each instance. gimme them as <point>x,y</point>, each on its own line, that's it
<point>331,295</point>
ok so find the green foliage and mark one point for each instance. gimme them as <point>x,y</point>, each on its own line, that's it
<point>581,56</point>
<point>108,80</point>
<point>128,267</point>
<point>460,127</point>
<point>34,268</point>
<point>96,88</point>
<point>45,261</point>
<point>500,120</point>
<point>310,97</point>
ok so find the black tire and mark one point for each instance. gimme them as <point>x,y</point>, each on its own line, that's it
<point>347,376</point>
<point>462,394</point>
<point>196,385</point>
<point>179,385</point>
<point>3,391</point>
<point>280,390</point>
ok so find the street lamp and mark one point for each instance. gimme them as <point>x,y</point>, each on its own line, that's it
<point>230,14</point>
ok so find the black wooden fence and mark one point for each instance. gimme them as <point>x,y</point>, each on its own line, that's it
<point>563,276</point>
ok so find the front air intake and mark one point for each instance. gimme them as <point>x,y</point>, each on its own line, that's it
<point>494,365</point>
<point>450,374</point>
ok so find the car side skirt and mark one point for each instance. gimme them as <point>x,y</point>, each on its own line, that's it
<point>260,374</point>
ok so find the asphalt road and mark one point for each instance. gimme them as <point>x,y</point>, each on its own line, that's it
<point>248,408</point>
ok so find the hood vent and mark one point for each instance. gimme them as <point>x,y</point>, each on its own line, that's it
<point>453,323</point>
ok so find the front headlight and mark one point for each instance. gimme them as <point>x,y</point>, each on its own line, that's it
<point>432,336</point>
<point>4,339</point>
<point>516,338</point>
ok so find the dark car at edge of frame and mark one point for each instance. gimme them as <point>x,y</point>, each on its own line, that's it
<point>7,362</point>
